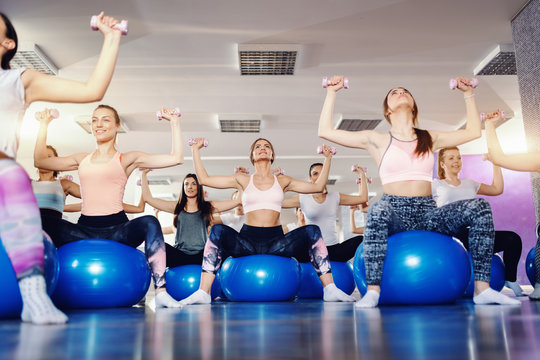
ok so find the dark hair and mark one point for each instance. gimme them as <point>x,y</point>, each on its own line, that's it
<point>425,142</point>
<point>253,147</point>
<point>440,170</point>
<point>204,206</point>
<point>55,173</point>
<point>116,116</point>
<point>312,166</point>
<point>10,34</point>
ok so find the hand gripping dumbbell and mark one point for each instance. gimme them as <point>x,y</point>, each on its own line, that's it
<point>326,82</point>
<point>66,177</point>
<point>354,167</point>
<point>454,83</point>
<point>122,26</point>
<point>241,169</point>
<point>192,141</point>
<point>53,112</point>
<point>359,180</point>
<point>483,115</point>
<point>333,150</point>
<point>176,112</point>
<point>278,171</point>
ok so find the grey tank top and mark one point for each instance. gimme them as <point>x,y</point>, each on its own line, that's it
<point>191,232</point>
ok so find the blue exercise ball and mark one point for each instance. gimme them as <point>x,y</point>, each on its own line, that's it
<point>184,280</point>
<point>311,286</point>
<point>260,278</point>
<point>530,268</point>
<point>98,273</point>
<point>11,301</point>
<point>497,276</point>
<point>421,267</point>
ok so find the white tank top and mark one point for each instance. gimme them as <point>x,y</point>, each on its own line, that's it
<point>49,195</point>
<point>12,109</point>
<point>324,215</point>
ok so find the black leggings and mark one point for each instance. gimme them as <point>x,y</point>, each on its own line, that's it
<point>344,251</point>
<point>176,257</point>
<point>224,241</point>
<point>506,241</point>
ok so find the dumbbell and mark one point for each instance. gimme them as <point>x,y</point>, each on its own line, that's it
<point>53,112</point>
<point>454,83</point>
<point>237,170</point>
<point>278,171</point>
<point>66,177</point>
<point>359,180</point>
<point>354,167</point>
<point>176,112</point>
<point>326,82</point>
<point>333,150</point>
<point>122,26</point>
<point>483,115</point>
<point>192,141</point>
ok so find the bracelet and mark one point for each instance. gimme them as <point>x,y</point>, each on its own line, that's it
<point>468,97</point>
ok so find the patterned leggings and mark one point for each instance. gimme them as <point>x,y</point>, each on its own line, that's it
<point>224,241</point>
<point>393,214</point>
<point>537,260</point>
<point>20,223</point>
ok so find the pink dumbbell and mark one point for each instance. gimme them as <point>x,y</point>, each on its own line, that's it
<point>333,150</point>
<point>454,83</point>
<point>176,112</point>
<point>483,116</point>
<point>192,141</point>
<point>53,112</point>
<point>326,82</point>
<point>278,171</point>
<point>122,26</point>
<point>237,170</point>
<point>359,180</point>
<point>66,177</point>
<point>354,167</point>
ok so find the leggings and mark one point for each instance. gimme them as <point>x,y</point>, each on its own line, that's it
<point>118,228</point>
<point>393,214</point>
<point>506,241</point>
<point>537,260</point>
<point>176,257</point>
<point>20,223</point>
<point>224,241</point>
<point>341,252</point>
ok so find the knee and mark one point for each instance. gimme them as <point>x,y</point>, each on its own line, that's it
<point>217,232</point>
<point>151,223</point>
<point>481,204</point>
<point>314,231</point>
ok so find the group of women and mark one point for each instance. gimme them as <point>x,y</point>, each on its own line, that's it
<point>405,157</point>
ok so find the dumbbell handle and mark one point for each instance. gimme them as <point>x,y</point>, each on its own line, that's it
<point>122,26</point>
<point>483,115</point>
<point>326,82</point>
<point>454,83</point>
<point>192,141</point>
<point>53,112</point>
<point>333,150</point>
<point>176,112</point>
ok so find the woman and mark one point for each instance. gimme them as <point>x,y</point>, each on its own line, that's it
<point>352,221</point>
<point>405,160</point>
<point>262,233</point>
<point>451,188</point>
<point>20,225</point>
<point>192,217</point>
<point>103,175</point>
<point>322,210</point>
<point>518,162</point>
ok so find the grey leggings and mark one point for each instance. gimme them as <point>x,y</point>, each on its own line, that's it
<point>394,214</point>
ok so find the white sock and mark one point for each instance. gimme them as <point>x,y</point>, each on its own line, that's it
<point>37,305</point>
<point>370,300</point>
<point>490,296</point>
<point>514,285</point>
<point>164,300</point>
<point>535,295</point>
<point>332,293</point>
<point>198,297</point>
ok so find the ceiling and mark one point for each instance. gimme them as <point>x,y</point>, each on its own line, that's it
<point>184,54</point>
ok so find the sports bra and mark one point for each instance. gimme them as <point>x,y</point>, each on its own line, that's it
<point>255,199</point>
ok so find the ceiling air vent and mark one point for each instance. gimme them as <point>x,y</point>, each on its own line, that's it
<point>242,123</point>
<point>267,59</point>
<point>85,121</point>
<point>501,61</point>
<point>159,180</point>
<point>30,56</point>
<point>331,182</point>
<point>357,123</point>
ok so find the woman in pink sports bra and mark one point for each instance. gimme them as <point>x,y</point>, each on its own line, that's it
<point>405,159</point>
<point>262,232</point>
<point>103,175</point>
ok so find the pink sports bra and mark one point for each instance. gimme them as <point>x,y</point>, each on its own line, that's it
<point>102,186</point>
<point>400,163</point>
<point>255,199</point>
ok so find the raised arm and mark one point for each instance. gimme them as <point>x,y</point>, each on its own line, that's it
<point>291,202</point>
<point>354,228</point>
<point>362,196</point>
<point>473,128</point>
<point>42,87</point>
<point>41,161</point>
<point>497,185</point>
<point>136,159</point>
<point>518,162</point>
<point>160,204</point>
<point>292,184</point>
<point>219,182</point>
<point>135,209</point>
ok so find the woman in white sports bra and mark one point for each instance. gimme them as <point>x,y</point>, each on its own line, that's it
<point>262,232</point>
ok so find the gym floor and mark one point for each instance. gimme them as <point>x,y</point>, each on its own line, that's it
<point>307,329</point>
